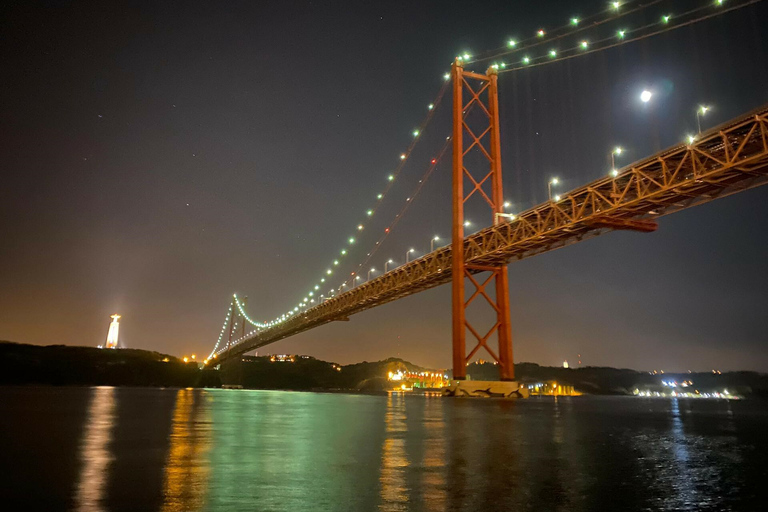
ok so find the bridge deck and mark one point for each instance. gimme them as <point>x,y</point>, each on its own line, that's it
<point>724,160</point>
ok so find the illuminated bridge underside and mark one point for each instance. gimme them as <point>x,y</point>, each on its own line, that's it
<point>728,159</point>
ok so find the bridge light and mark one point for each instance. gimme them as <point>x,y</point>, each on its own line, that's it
<point>691,139</point>
<point>621,34</point>
<point>415,133</point>
<point>526,60</point>
<point>359,227</point>
<point>618,150</point>
<point>574,21</point>
<point>391,177</point>
<point>351,240</point>
<point>186,359</point>
<point>540,32</point>
<point>343,252</point>
<point>557,198</point>
<point>554,181</point>
<point>402,156</point>
<point>645,96</point>
<point>665,18</point>
<point>552,53</point>
<point>369,212</point>
<point>507,204</point>
<point>431,106</point>
<point>447,76</point>
<point>467,223</point>
<point>329,272</point>
<point>512,43</point>
<point>322,280</point>
<point>614,173</point>
<point>467,56</point>
<point>584,45</point>
<point>616,5</point>
<point>193,356</point>
<point>335,262</point>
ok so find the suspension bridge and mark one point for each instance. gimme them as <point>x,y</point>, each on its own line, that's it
<point>721,161</point>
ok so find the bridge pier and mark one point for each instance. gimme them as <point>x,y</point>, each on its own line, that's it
<point>231,372</point>
<point>476,122</point>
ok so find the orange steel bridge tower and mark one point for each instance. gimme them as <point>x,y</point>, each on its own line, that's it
<point>476,162</point>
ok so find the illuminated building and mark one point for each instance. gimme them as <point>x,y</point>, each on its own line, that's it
<point>552,388</point>
<point>407,380</point>
<point>114,328</point>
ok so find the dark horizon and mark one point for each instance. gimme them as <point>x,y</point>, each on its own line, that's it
<point>160,159</point>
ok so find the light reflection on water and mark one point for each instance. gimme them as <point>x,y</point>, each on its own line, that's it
<point>186,470</point>
<point>268,450</point>
<point>95,453</point>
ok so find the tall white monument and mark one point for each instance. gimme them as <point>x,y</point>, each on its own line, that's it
<point>114,328</point>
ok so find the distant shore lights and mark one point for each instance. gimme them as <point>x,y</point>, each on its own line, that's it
<point>114,329</point>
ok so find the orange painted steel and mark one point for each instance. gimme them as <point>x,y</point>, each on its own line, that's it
<point>479,94</point>
<point>730,158</point>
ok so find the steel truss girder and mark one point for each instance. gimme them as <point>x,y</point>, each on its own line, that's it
<point>730,158</point>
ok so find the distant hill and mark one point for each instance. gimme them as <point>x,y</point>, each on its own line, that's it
<point>88,366</point>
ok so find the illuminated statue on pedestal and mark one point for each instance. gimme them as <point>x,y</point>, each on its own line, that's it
<point>114,327</point>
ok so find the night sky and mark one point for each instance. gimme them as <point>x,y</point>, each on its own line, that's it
<point>159,156</point>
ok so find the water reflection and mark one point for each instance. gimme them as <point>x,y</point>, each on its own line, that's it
<point>185,483</point>
<point>394,461</point>
<point>433,483</point>
<point>179,450</point>
<point>94,452</point>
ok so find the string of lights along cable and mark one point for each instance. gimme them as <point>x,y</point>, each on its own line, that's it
<point>579,36</point>
<point>522,54</point>
<point>313,295</point>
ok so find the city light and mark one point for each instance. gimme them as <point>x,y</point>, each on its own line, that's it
<point>645,96</point>
<point>616,151</point>
<point>700,112</point>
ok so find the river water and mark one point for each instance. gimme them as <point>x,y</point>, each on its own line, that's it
<point>132,449</point>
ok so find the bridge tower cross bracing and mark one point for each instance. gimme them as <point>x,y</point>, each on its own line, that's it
<point>479,93</point>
